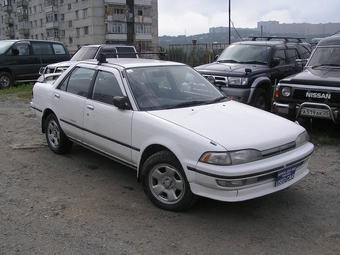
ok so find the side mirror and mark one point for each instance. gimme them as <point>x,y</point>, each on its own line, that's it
<point>121,102</point>
<point>300,63</point>
<point>275,62</point>
<point>216,57</point>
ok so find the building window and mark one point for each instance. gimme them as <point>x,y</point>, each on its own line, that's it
<point>61,1</point>
<point>70,23</point>
<point>85,15</point>
<point>41,22</point>
<point>77,14</point>
<point>116,28</point>
<point>56,33</point>
<point>34,9</point>
<point>86,30</point>
<point>35,23</point>
<point>62,32</point>
<point>78,32</point>
<point>69,6</point>
<point>62,16</point>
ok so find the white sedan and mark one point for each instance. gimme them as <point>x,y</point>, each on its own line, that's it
<point>180,134</point>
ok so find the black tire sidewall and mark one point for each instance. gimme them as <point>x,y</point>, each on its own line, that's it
<point>166,157</point>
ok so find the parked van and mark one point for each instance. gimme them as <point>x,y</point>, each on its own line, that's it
<point>20,60</point>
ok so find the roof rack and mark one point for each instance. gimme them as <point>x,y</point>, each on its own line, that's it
<point>268,38</point>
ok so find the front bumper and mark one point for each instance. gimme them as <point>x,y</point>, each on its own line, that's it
<point>315,110</point>
<point>206,183</point>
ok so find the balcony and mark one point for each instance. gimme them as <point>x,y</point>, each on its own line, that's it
<point>116,37</point>
<point>142,19</point>
<point>24,31</point>
<point>115,2</point>
<point>51,8</point>
<point>9,21</point>
<point>8,8</point>
<point>51,25</point>
<point>143,2</point>
<point>22,17</point>
<point>116,17</point>
<point>22,3</point>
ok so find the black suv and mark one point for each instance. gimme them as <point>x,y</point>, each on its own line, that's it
<point>315,92</point>
<point>247,71</point>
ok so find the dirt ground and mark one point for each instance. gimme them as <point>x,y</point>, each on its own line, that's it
<point>83,203</point>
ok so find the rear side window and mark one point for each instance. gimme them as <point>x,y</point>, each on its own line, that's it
<point>42,48</point>
<point>58,49</point>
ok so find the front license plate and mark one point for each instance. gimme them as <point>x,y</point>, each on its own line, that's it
<point>315,112</point>
<point>285,175</point>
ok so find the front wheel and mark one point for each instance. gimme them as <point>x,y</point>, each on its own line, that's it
<point>260,99</point>
<point>5,80</point>
<point>165,184</point>
<point>55,137</point>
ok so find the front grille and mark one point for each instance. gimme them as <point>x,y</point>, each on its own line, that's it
<point>317,96</point>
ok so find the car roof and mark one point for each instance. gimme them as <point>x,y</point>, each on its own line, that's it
<point>133,62</point>
<point>331,40</point>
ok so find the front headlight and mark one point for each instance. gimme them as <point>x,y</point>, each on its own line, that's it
<point>231,158</point>
<point>285,91</point>
<point>302,139</point>
<point>237,81</point>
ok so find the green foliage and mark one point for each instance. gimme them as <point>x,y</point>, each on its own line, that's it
<point>24,91</point>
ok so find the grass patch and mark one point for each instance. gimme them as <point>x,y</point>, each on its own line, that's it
<point>24,91</point>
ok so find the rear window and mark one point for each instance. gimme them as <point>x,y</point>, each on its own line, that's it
<point>58,49</point>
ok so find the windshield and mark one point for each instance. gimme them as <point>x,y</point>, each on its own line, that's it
<point>242,53</point>
<point>156,88</point>
<point>5,45</point>
<point>85,53</point>
<point>325,56</point>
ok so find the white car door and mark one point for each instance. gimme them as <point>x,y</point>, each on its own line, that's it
<point>69,100</point>
<point>107,128</point>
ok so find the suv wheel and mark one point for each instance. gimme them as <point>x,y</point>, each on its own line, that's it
<point>5,80</point>
<point>260,99</point>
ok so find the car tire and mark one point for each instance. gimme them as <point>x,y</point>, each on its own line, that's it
<point>165,184</point>
<point>55,137</point>
<point>260,99</point>
<point>5,80</point>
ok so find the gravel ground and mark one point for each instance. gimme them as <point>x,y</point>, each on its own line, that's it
<point>83,203</point>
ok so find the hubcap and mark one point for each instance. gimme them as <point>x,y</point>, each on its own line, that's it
<point>53,134</point>
<point>167,184</point>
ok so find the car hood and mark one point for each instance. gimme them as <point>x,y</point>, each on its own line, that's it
<point>326,76</point>
<point>234,125</point>
<point>64,63</point>
<point>218,68</point>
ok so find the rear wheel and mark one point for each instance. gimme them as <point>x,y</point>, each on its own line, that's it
<point>260,99</point>
<point>5,80</point>
<point>165,183</point>
<point>55,137</point>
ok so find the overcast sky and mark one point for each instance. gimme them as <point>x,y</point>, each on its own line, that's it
<point>191,17</point>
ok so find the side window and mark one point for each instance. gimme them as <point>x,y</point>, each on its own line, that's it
<point>42,48</point>
<point>106,87</point>
<point>23,48</point>
<point>58,49</point>
<point>78,82</point>
<point>292,56</point>
<point>281,55</point>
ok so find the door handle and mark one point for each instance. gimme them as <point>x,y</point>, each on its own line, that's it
<point>57,96</point>
<point>90,107</point>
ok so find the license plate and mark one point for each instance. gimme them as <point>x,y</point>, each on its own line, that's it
<point>315,112</point>
<point>285,175</point>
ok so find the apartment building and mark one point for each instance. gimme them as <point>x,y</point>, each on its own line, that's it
<point>82,22</point>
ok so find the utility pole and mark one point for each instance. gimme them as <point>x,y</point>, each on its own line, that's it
<point>229,21</point>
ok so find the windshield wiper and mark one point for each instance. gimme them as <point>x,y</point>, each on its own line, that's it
<point>329,64</point>
<point>254,62</point>
<point>216,100</point>
<point>228,61</point>
<point>187,103</point>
